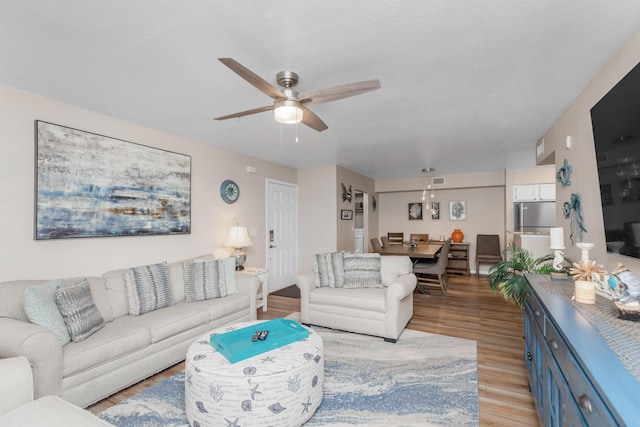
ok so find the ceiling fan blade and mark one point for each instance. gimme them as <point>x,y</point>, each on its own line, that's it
<point>338,92</point>
<point>257,81</point>
<point>246,113</point>
<point>310,119</point>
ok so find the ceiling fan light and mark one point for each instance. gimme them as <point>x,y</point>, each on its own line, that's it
<point>287,112</point>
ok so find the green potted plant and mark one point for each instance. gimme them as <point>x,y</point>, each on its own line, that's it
<point>507,276</point>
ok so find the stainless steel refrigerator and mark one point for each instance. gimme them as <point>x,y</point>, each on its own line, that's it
<point>534,216</point>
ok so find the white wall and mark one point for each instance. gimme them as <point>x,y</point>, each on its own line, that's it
<point>21,257</point>
<point>576,122</point>
<point>346,228</point>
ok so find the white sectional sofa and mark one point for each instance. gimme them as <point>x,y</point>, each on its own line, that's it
<point>126,348</point>
<point>375,303</point>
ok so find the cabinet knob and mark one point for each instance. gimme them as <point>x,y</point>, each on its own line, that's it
<point>585,403</point>
<point>553,344</point>
<point>529,357</point>
<point>537,313</point>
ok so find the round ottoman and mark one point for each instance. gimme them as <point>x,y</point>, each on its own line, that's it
<point>281,387</point>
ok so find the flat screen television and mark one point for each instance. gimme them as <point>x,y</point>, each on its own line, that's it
<point>616,132</point>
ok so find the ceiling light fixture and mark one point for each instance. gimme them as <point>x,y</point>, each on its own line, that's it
<point>287,111</point>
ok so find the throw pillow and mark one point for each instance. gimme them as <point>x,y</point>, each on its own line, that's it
<point>80,314</point>
<point>41,309</point>
<point>329,270</point>
<point>230,274</point>
<point>362,271</point>
<point>204,280</point>
<point>148,288</point>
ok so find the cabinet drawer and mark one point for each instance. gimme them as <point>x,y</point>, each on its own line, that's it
<point>457,263</point>
<point>591,406</point>
<point>536,310</point>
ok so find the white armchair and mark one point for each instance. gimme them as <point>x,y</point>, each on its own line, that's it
<point>382,312</point>
<point>17,407</point>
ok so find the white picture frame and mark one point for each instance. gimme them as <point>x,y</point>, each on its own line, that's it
<point>458,210</point>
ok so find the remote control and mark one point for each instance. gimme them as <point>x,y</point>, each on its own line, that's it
<point>263,335</point>
<point>256,335</point>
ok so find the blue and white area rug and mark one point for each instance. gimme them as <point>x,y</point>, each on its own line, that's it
<point>422,380</point>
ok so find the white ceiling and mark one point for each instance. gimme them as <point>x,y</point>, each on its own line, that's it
<point>466,85</point>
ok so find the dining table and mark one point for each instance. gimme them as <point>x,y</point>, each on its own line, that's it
<point>422,251</point>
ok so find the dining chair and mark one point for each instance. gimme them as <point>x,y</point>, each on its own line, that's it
<point>487,250</point>
<point>396,238</point>
<point>425,271</point>
<point>420,238</point>
<point>385,241</point>
<point>375,244</point>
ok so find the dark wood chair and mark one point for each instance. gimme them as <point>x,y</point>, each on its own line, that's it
<point>487,250</point>
<point>396,238</point>
<point>420,238</point>
<point>425,272</point>
<point>375,244</point>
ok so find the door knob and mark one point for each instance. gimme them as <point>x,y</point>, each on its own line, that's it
<point>272,246</point>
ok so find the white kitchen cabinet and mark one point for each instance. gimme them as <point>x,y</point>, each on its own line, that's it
<point>534,192</point>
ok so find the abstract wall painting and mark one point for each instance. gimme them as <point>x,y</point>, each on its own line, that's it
<point>457,210</point>
<point>90,185</point>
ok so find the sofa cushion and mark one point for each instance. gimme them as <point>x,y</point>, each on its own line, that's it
<point>329,270</point>
<point>366,299</point>
<point>169,321</point>
<point>116,292</point>
<point>148,288</point>
<point>41,308</point>
<point>80,314</point>
<point>204,280</point>
<point>114,340</point>
<point>362,271</point>
<point>221,307</point>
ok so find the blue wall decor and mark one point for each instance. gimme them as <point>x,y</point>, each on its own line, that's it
<point>563,176</point>
<point>573,210</point>
<point>90,185</point>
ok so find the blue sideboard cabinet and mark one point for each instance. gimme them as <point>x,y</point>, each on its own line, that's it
<point>575,378</point>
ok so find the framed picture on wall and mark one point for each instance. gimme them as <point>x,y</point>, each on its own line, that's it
<point>458,210</point>
<point>346,214</point>
<point>415,211</point>
<point>435,210</point>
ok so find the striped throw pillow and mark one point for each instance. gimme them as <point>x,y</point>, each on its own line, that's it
<point>328,270</point>
<point>78,310</point>
<point>362,271</point>
<point>204,280</point>
<point>148,288</point>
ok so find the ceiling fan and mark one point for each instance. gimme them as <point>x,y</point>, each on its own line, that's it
<point>289,105</point>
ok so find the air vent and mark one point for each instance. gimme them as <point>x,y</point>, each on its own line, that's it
<point>601,157</point>
<point>438,180</point>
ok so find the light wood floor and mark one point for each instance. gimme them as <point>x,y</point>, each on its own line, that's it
<point>468,311</point>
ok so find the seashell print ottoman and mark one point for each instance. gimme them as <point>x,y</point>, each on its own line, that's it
<point>282,387</point>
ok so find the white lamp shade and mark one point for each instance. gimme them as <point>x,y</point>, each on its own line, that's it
<point>556,237</point>
<point>238,237</point>
<point>287,112</point>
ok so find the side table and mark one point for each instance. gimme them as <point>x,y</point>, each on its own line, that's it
<point>262,274</point>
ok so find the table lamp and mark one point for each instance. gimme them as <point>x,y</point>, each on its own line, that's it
<point>238,238</point>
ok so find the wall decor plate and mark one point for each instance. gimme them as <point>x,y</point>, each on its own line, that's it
<point>229,191</point>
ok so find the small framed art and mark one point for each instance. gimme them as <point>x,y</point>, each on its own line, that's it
<point>458,210</point>
<point>415,211</point>
<point>346,214</point>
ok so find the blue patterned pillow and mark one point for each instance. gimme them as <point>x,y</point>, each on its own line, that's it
<point>41,309</point>
<point>78,310</point>
<point>362,271</point>
<point>329,270</point>
<point>204,280</point>
<point>148,288</point>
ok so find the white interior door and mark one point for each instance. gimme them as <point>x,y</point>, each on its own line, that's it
<point>282,234</point>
